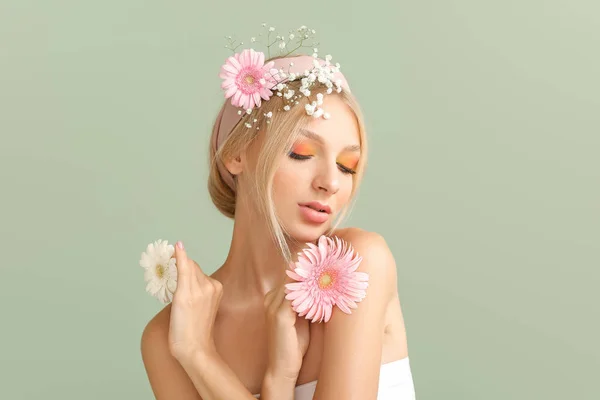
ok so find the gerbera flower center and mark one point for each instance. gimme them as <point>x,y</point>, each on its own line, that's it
<point>326,280</point>
<point>160,271</point>
<point>248,81</point>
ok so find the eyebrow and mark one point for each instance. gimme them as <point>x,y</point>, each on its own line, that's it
<point>312,135</point>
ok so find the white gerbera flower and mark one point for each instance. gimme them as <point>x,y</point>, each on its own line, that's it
<point>160,270</point>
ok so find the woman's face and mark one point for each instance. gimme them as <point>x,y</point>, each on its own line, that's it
<point>318,169</point>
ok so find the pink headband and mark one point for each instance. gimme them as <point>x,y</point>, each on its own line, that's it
<point>229,117</point>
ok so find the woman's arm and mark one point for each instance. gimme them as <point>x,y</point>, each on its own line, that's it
<point>214,380</point>
<point>277,387</point>
<point>167,377</point>
<point>353,343</point>
<point>204,376</point>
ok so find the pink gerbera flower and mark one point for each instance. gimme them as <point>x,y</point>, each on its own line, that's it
<point>246,79</point>
<point>326,276</point>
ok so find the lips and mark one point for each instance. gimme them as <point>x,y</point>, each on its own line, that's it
<point>313,216</point>
<point>316,209</point>
<point>315,205</point>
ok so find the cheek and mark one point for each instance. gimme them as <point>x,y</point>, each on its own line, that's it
<point>289,178</point>
<point>345,190</point>
<point>291,172</point>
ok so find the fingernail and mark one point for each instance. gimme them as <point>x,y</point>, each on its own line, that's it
<point>180,245</point>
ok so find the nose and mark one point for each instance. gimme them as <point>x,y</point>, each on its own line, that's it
<point>327,180</point>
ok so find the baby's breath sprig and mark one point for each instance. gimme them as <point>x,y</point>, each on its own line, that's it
<point>303,34</point>
<point>231,43</point>
<point>250,76</point>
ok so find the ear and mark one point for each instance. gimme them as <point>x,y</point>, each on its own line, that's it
<point>235,165</point>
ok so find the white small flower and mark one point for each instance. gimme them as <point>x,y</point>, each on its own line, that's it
<point>315,55</point>
<point>255,120</point>
<point>249,111</point>
<point>264,25</point>
<point>271,29</point>
<point>252,39</point>
<point>329,90</point>
<point>279,94</point>
<point>328,57</point>
<point>292,76</point>
<point>326,115</point>
<point>160,270</point>
<point>279,86</point>
<point>248,125</point>
<point>318,113</point>
<point>286,108</point>
<point>269,114</point>
<point>239,112</point>
<point>301,28</point>
<point>313,31</point>
<point>316,50</point>
<point>289,94</point>
<point>292,36</point>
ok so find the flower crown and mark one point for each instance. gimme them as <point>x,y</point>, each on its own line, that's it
<point>247,80</point>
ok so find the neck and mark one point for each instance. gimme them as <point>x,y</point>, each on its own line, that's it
<point>254,264</point>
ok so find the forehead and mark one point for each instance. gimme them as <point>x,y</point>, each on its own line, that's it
<point>341,128</point>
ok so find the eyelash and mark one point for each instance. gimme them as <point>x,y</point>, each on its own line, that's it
<point>344,170</point>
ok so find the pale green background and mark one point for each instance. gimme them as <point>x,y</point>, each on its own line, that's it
<point>484,179</point>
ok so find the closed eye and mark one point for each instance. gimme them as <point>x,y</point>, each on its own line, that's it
<point>298,156</point>
<point>342,168</point>
<point>346,170</point>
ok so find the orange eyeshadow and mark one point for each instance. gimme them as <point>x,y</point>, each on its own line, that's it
<point>348,160</point>
<point>305,149</point>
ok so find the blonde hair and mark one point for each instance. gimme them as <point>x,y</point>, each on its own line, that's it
<point>280,134</point>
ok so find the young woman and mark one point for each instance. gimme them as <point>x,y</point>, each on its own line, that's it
<point>286,171</point>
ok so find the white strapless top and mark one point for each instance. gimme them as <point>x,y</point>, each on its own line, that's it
<point>395,383</point>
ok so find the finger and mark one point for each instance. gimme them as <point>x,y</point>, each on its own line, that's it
<point>277,301</point>
<point>269,297</point>
<point>184,272</point>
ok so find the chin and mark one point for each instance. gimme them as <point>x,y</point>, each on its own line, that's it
<point>305,232</point>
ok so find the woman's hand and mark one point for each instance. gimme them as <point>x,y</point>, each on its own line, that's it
<point>288,334</point>
<point>193,309</point>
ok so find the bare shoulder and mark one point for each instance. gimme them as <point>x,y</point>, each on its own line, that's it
<point>354,374</point>
<point>167,377</point>
<point>373,248</point>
